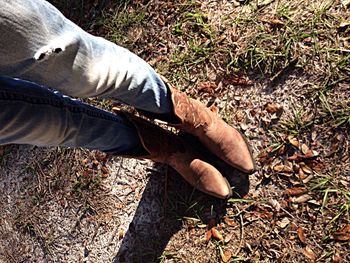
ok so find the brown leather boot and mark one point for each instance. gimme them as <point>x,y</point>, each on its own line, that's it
<point>166,147</point>
<point>220,138</point>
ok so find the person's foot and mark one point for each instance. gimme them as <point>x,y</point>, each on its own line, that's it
<point>165,147</point>
<point>220,138</point>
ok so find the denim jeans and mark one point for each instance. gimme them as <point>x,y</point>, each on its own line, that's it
<point>33,114</point>
<point>40,45</point>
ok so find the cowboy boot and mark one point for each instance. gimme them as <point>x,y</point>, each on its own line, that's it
<point>165,147</point>
<point>220,138</point>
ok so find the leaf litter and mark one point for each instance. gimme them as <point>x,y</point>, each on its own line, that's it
<point>286,94</point>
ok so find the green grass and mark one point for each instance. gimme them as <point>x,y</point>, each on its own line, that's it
<point>119,23</point>
<point>270,47</point>
<point>335,199</point>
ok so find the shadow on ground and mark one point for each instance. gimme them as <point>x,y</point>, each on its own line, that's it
<point>158,218</point>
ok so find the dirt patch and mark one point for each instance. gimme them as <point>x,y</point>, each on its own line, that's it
<point>276,70</point>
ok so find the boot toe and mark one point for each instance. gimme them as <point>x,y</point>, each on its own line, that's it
<point>240,154</point>
<point>212,182</point>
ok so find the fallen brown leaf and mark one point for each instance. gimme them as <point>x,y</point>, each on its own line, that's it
<point>273,107</point>
<point>229,221</point>
<point>343,234</point>
<point>316,166</point>
<point>309,154</point>
<point>208,235</point>
<point>216,234</point>
<point>87,172</point>
<point>346,228</point>
<point>208,87</point>
<point>301,199</point>
<point>309,253</point>
<point>226,256</point>
<point>336,259</point>
<point>283,223</point>
<point>295,157</point>
<point>305,168</point>
<point>296,191</point>
<point>104,170</point>
<point>238,81</point>
<point>304,148</point>
<point>100,156</point>
<point>294,142</point>
<point>276,22</point>
<point>301,235</point>
<point>280,168</point>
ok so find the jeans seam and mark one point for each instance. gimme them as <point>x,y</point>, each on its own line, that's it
<point>58,104</point>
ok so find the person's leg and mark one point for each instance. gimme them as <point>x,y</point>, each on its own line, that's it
<point>33,114</point>
<point>43,46</point>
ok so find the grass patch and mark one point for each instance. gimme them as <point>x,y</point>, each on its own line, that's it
<point>119,25</point>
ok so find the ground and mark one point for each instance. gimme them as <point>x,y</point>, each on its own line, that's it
<point>276,70</point>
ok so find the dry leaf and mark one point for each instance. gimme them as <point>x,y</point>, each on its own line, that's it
<point>216,234</point>
<point>273,107</point>
<point>100,156</point>
<point>336,258</point>
<point>208,235</point>
<point>346,228</point>
<point>304,148</point>
<point>282,150</point>
<point>226,256</point>
<point>294,157</point>
<point>294,142</point>
<point>301,199</point>
<point>240,116</point>
<point>105,170</point>
<point>280,168</point>
<point>309,253</point>
<point>229,221</point>
<point>284,223</point>
<point>238,81</point>
<point>305,168</point>
<point>87,172</point>
<point>277,22</point>
<point>317,166</point>
<point>302,175</point>
<point>228,238</point>
<point>208,87</point>
<point>343,234</point>
<point>301,235</point>
<point>296,191</point>
<point>275,204</point>
<point>310,154</point>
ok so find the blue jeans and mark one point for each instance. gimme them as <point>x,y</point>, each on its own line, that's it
<point>38,44</point>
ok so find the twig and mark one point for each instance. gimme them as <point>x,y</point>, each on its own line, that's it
<point>241,236</point>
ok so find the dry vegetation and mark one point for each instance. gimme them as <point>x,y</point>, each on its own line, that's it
<point>276,70</point>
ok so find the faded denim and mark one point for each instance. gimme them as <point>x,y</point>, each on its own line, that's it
<point>38,44</point>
